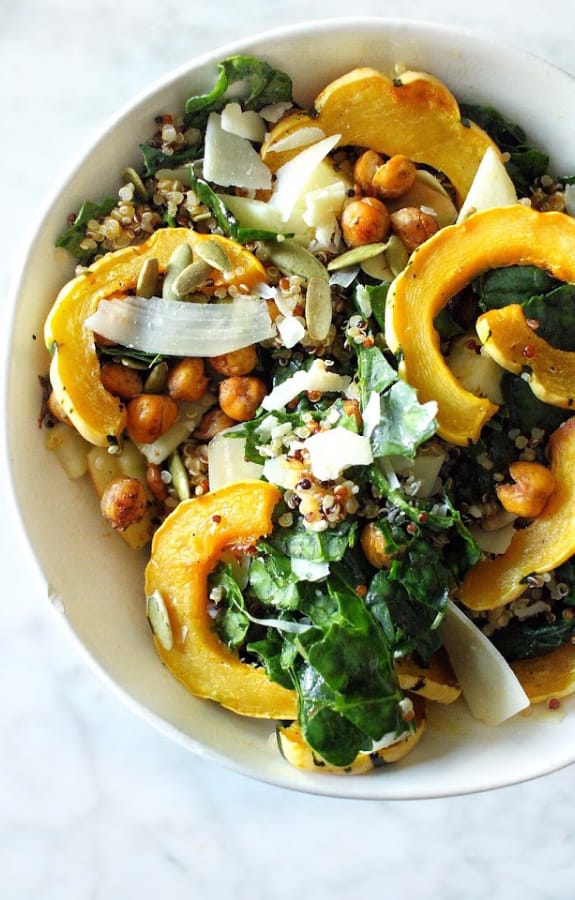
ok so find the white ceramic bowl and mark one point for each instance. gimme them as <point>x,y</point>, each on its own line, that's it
<point>96,582</point>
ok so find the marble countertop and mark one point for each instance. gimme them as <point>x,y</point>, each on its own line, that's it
<point>93,802</point>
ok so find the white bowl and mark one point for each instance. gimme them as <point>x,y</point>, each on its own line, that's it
<point>96,581</point>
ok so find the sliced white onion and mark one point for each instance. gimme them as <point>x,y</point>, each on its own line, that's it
<point>179,328</point>
<point>488,683</point>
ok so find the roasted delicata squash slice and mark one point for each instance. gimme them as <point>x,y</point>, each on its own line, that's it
<point>414,114</point>
<point>436,681</point>
<point>543,545</point>
<point>296,751</point>
<point>548,677</point>
<point>185,549</point>
<point>508,338</point>
<point>98,415</point>
<point>443,266</point>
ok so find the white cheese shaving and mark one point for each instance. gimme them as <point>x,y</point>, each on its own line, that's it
<point>246,124</point>
<point>230,160</point>
<point>279,472</point>
<point>291,331</point>
<point>371,414</point>
<point>488,683</point>
<point>189,416</point>
<point>332,451</point>
<point>292,179</point>
<point>490,187</point>
<point>227,463</point>
<point>316,378</point>
<point>303,137</point>
<point>275,111</point>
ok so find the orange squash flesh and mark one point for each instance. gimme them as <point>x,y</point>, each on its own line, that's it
<point>510,341</point>
<point>185,549</point>
<point>414,115</point>
<point>549,676</point>
<point>443,266</point>
<point>540,547</point>
<point>75,368</point>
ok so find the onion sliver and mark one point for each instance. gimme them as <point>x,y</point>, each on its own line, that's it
<point>181,328</point>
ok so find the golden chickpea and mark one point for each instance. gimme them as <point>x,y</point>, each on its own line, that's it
<point>413,226</point>
<point>365,221</point>
<point>124,502</point>
<point>374,545</point>
<point>394,177</point>
<point>149,416</point>
<point>214,421</point>
<point>121,380</point>
<point>187,380</point>
<point>238,362</point>
<point>364,170</point>
<point>240,396</point>
<point>155,482</point>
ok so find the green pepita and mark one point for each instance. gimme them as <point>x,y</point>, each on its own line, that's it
<point>293,259</point>
<point>396,254</point>
<point>156,380</point>
<point>191,278</point>
<point>180,480</point>
<point>318,309</point>
<point>356,256</point>
<point>130,176</point>
<point>179,260</point>
<point>147,283</point>
<point>214,255</point>
<point>159,619</point>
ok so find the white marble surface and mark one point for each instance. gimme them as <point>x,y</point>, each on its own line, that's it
<point>94,803</point>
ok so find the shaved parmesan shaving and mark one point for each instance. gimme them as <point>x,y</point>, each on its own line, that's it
<point>300,138</point>
<point>231,160</point>
<point>316,378</point>
<point>293,177</point>
<point>491,187</point>
<point>371,414</point>
<point>275,111</point>
<point>332,451</point>
<point>246,124</point>
<point>488,683</point>
<point>291,331</point>
<point>179,328</point>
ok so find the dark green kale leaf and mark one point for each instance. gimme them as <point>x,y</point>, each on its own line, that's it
<point>531,638</point>
<point>404,424</point>
<point>225,219</point>
<point>72,238</point>
<point>370,299</point>
<point>526,163</point>
<point>155,159</point>
<point>315,546</point>
<point>265,86</point>
<point>523,410</point>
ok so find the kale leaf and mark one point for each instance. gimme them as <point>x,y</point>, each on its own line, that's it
<point>72,238</point>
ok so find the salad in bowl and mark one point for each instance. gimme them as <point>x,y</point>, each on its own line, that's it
<point>317,361</point>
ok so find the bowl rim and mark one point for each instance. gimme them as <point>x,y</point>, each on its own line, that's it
<point>325,786</point>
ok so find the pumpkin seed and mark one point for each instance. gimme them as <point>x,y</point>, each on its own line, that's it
<point>159,619</point>
<point>180,480</point>
<point>293,259</point>
<point>147,283</point>
<point>318,309</point>
<point>377,267</point>
<point>156,380</point>
<point>213,254</point>
<point>191,278</point>
<point>179,260</point>
<point>396,254</point>
<point>130,176</point>
<point>356,256</point>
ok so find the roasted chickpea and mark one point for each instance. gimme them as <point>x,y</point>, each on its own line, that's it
<point>394,177</point>
<point>155,482</point>
<point>149,416</point>
<point>214,421</point>
<point>240,396</point>
<point>187,380</point>
<point>364,170</point>
<point>534,484</point>
<point>124,502</point>
<point>365,221</point>
<point>413,226</point>
<point>238,362</point>
<point>121,380</point>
